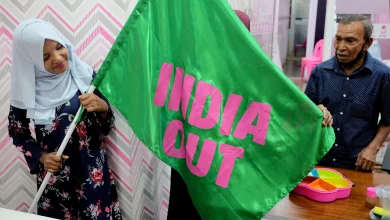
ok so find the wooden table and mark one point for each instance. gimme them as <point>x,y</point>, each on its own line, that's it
<point>298,207</point>
<point>7,214</point>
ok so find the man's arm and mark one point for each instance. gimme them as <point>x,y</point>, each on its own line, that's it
<point>367,158</point>
<point>311,91</point>
<point>328,118</point>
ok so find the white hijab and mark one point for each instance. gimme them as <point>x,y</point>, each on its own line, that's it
<point>32,87</point>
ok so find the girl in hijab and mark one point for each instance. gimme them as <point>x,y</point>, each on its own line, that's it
<point>48,83</point>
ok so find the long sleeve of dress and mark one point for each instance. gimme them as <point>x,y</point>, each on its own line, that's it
<point>102,125</point>
<point>18,130</point>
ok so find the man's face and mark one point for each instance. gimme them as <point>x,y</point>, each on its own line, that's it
<point>349,41</point>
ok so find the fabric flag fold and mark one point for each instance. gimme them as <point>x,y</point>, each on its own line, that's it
<point>197,90</point>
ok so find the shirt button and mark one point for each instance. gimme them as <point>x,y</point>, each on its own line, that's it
<point>336,145</point>
<point>344,95</point>
<point>347,78</point>
<point>334,159</point>
<point>341,113</point>
<point>338,129</point>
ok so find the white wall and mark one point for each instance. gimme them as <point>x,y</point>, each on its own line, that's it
<point>303,7</point>
<point>242,5</point>
<point>261,13</point>
<point>284,16</point>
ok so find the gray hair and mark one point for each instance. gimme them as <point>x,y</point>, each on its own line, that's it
<point>367,24</point>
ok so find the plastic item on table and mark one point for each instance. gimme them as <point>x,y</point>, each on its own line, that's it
<point>324,185</point>
<point>378,213</point>
<point>371,197</point>
<point>373,216</point>
<point>383,193</point>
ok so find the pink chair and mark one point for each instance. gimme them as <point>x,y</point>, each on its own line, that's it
<point>297,46</point>
<point>311,62</point>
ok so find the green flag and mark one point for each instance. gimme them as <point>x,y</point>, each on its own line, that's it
<point>198,91</point>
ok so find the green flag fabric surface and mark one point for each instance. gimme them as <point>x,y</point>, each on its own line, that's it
<point>197,90</point>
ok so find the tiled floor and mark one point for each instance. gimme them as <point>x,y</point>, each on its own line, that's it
<point>292,68</point>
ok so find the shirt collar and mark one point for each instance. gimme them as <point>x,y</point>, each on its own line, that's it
<point>368,64</point>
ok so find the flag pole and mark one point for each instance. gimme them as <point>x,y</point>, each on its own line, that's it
<point>59,153</point>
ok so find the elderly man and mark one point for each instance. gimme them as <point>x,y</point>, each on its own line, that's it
<point>351,89</point>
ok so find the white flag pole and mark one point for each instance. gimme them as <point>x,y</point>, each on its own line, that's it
<point>59,153</point>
